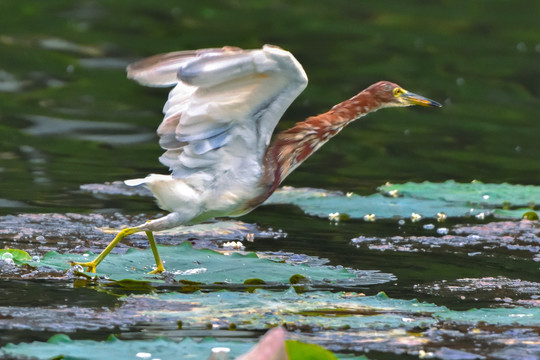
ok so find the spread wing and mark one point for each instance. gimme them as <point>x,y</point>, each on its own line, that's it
<point>224,106</point>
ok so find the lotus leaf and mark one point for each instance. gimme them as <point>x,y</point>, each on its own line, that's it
<point>184,262</point>
<point>427,199</point>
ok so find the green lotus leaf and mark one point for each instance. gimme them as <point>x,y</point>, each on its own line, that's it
<point>402,200</point>
<point>473,193</point>
<point>321,309</point>
<point>521,213</point>
<point>297,350</point>
<point>62,346</point>
<point>189,265</point>
<point>18,256</point>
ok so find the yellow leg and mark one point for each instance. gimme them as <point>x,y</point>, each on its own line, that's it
<point>159,263</point>
<point>91,266</point>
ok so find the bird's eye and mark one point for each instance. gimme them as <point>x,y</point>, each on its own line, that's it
<point>398,91</point>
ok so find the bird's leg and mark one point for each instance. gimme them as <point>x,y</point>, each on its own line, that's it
<point>159,263</point>
<point>165,222</point>
<point>91,266</point>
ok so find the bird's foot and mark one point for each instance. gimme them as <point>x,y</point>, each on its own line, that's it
<point>158,270</point>
<point>90,266</point>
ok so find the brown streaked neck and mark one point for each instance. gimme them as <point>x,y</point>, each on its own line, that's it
<point>293,146</point>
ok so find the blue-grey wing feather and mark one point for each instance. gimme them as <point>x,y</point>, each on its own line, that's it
<point>203,146</point>
<point>224,107</point>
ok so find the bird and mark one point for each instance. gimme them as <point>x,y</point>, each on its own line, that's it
<point>217,132</point>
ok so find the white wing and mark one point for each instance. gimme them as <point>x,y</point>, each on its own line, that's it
<point>226,103</point>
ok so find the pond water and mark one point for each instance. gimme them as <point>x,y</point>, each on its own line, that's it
<point>69,118</point>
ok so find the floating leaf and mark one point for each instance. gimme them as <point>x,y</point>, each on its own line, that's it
<point>18,256</point>
<point>320,309</point>
<point>514,213</point>
<point>61,346</point>
<point>183,262</point>
<point>426,199</point>
<point>343,321</point>
<point>298,350</point>
<point>348,322</point>
<point>320,203</point>
<point>471,193</point>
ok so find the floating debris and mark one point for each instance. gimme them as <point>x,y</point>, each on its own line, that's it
<point>518,239</point>
<point>369,217</point>
<point>442,231</point>
<point>333,216</point>
<point>78,233</point>
<point>336,217</point>
<point>508,292</point>
<point>233,245</point>
<point>441,217</point>
<point>480,216</point>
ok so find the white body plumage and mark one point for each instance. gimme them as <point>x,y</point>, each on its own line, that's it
<point>218,122</point>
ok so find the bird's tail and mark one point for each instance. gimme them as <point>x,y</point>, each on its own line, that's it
<point>135,182</point>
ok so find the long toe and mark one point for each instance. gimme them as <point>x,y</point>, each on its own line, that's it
<point>90,266</point>
<point>158,270</point>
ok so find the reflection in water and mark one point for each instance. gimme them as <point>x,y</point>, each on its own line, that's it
<point>105,132</point>
<point>37,163</point>
<point>9,83</point>
<point>6,203</point>
<point>64,45</point>
<point>104,63</point>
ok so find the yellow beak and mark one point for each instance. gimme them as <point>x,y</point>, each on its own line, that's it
<point>415,99</point>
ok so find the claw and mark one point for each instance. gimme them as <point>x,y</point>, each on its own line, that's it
<point>90,266</point>
<point>158,270</point>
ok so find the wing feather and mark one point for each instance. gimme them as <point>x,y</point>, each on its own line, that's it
<point>224,107</point>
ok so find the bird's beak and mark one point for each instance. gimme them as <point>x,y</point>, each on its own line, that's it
<point>410,98</point>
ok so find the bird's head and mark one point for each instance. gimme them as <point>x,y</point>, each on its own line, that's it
<point>390,95</point>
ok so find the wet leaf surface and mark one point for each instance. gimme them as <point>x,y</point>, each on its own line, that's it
<point>184,263</point>
<point>134,349</point>
<point>342,322</point>
<point>18,256</point>
<point>426,199</point>
<point>65,347</point>
<point>475,193</point>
